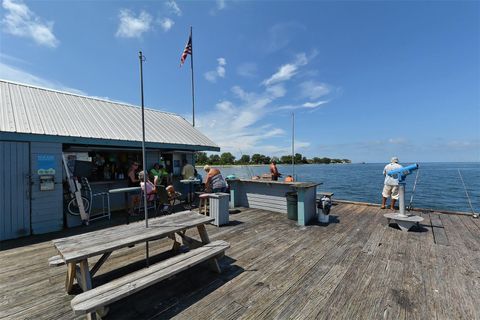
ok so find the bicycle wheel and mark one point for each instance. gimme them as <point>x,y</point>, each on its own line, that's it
<point>73,208</point>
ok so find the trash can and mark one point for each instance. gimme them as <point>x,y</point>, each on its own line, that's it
<point>292,212</point>
<point>219,208</point>
<point>323,209</point>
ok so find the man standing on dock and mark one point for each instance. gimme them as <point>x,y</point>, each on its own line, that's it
<point>274,171</point>
<point>390,188</point>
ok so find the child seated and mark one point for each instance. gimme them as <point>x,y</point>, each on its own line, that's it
<point>171,191</point>
<point>151,188</point>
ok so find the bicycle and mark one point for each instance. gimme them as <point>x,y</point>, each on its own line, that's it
<point>72,203</point>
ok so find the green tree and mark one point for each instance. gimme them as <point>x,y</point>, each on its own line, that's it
<point>244,159</point>
<point>276,159</point>
<point>257,158</point>
<point>298,158</point>
<point>214,159</point>
<point>227,158</point>
<point>201,158</point>
<point>326,160</point>
<point>286,159</point>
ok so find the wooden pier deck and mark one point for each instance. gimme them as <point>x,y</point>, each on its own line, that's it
<point>357,267</point>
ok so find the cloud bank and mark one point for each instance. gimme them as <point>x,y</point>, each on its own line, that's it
<point>20,21</point>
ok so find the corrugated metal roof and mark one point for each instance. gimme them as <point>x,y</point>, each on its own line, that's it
<point>33,110</point>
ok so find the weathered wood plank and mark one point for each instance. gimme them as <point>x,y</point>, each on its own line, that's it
<point>351,275</point>
<point>81,247</point>
<point>439,234</point>
<point>134,282</point>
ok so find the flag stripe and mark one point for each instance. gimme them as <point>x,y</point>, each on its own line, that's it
<point>186,51</point>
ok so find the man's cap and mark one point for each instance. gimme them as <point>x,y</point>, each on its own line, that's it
<point>394,159</point>
<point>206,168</point>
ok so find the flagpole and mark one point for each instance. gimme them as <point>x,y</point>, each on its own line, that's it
<point>293,146</point>
<point>142,58</point>
<point>193,85</point>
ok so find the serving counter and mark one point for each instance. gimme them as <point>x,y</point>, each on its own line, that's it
<point>271,196</point>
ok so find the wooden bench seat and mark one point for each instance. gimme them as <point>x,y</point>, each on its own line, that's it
<point>117,289</point>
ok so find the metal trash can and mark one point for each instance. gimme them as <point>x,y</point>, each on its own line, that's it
<point>219,208</point>
<point>323,209</point>
<point>292,207</point>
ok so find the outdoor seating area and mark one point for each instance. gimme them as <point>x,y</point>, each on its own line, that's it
<point>76,250</point>
<point>356,267</point>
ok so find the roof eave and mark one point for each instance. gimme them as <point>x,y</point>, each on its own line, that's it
<point>28,137</point>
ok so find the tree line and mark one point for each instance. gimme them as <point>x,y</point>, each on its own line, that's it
<point>226,158</point>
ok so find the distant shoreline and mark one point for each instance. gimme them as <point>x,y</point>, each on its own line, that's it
<point>261,165</point>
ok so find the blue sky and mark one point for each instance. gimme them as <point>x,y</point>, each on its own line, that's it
<point>365,79</point>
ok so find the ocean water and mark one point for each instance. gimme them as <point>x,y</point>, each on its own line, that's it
<point>438,185</point>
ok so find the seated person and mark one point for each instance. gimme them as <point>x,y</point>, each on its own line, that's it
<point>288,178</point>
<point>171,191</point>
<point>201,184</point>
<point>214,181</point>
<point>151,188</point>
<point>159,171</point>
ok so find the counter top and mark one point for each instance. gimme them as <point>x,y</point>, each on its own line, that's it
<point>296,184</point>
<point>107,182</point>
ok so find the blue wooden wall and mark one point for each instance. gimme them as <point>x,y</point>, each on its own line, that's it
<point>14,190</point>
<point>47,206</point>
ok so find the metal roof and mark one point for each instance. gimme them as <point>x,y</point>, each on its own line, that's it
<point>32,110</point>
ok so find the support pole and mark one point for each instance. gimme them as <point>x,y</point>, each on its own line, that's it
<point>142,58</point>
<point>193,83</point>
<point>401,199</point>
<point>293,146</point>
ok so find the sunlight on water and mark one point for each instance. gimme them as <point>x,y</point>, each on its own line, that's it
<point>438,187</point>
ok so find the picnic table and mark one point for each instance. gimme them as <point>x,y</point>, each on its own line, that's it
<point>76,250</point>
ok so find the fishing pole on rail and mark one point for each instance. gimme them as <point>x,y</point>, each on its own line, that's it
<point>468,197</point>
<point>410,207</point>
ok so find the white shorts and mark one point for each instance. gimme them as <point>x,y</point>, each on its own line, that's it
<point>390,191</point>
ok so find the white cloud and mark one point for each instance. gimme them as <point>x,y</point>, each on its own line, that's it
<point>11,73</point>
<point>173,7</point>
<point>299,145</point>
<point>281,35</point>
<point>166,24</point>
<point>314,90</point>
<point>131,26</point>
<point>238,127</point>
<point>306,105</point>
<point>247,69</point>
<point>397,141</point>
<point>219,72</point>
<point>287,71</point>
<point>277,91</point>
<point>221,4</point>
<point>20,21</point>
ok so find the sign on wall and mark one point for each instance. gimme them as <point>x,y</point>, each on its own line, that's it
<point>45,164</point>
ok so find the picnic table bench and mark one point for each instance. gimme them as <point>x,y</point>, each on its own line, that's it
<point>76,250</point>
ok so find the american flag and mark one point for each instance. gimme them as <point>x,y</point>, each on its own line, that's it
<point>186,51</point>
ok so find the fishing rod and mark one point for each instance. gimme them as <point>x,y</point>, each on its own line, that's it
<point>249,170</point>
<point>468,197</point>
<point>410,207</point>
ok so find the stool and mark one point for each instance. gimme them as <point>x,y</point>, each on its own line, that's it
<point>203,202</point>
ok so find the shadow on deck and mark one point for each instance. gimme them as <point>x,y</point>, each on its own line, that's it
<point>355,268</point>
